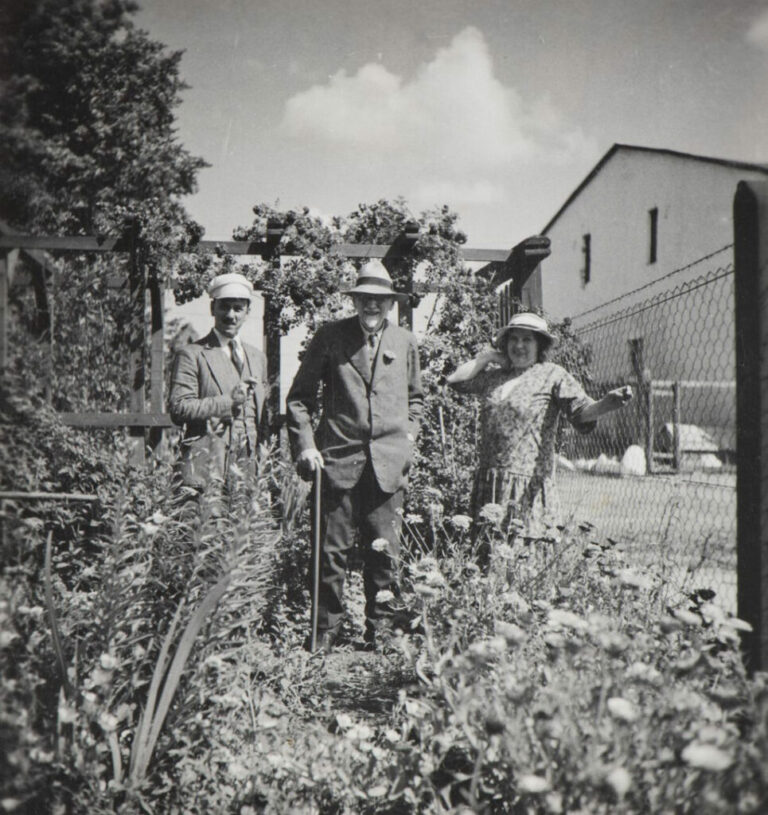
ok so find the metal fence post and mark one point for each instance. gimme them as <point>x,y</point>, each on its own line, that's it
<point>676,452</point>
<point>750,227</point>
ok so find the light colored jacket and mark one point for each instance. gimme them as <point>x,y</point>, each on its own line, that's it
<point>200,400</point>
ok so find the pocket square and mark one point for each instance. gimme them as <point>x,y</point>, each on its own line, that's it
<point>389,356</point>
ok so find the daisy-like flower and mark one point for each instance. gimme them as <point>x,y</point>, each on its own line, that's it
<point>532,784</point>
<point>412,518</point>
<point>561,618</point>
<point>620,780</point>
<point>462,522</point>
<point>706,757</point>
<point>380,545</point>
<point>384,596</point>
<point>622,709</point>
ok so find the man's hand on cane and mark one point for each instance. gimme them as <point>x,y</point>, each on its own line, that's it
<point>308,461</point>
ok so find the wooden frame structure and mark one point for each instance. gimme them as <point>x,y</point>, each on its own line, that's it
<point>514,272</point>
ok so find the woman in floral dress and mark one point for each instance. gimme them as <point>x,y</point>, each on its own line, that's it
<point>523,399</point>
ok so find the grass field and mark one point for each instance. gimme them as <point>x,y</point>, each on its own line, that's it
<point>684,526</point>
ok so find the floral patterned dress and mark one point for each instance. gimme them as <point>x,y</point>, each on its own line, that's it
<point>519,416</point>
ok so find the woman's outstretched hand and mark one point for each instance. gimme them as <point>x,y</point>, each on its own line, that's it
<point>619,396</point>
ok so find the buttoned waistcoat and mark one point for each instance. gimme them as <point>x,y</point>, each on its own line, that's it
<point>367,411</point>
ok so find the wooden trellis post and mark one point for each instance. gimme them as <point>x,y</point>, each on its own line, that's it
<point>518,277</point>
<point>750,223</point>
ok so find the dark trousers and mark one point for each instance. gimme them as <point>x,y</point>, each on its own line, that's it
<point>374,514</point>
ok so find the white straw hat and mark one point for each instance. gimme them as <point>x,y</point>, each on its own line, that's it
<point>529,321</point>
<point>233,286</point>
<point>373,278</point>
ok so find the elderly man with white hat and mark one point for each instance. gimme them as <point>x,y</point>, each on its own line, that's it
<point>218,389</point>
<point>372,398</point>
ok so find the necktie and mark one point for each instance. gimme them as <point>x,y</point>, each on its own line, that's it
<point>237,359</point>
<point>371,347</point>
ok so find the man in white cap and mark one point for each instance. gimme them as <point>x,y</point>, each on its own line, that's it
<point>218,389</point>
<point>372,403</point>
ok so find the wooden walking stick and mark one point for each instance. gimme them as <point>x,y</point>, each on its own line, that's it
<point>315,559</point>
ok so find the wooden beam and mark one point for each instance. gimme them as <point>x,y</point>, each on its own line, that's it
<point>137,338</point>
<point>138,420</point>
<point>89,243</point>
<point>157,355</point>
<point>66,243</point>
<point>47,496</point>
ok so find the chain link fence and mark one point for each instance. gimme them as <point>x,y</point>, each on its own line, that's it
<point>660,476</point>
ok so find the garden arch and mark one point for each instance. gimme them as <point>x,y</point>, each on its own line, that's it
<point>514,272</point>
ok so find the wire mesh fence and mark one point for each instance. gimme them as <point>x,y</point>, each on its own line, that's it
<point>660,475</point>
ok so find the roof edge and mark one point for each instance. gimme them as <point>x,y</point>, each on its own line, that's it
<point>744,165</point>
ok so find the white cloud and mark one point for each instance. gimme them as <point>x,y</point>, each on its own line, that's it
<point>454,116</point>
<point>452,133</point>
<point>758,31</point>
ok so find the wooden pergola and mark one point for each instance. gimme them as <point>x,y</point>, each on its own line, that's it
<point>515,272</point>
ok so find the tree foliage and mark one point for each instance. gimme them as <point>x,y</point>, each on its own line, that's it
<point>87,136</point>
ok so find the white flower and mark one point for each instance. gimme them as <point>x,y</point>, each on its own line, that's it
<point>108,722</point>
<point>344,721</point>
<point>622,709</point>
<point>532,784</point>
<point>384,596</point>
<point>513,634</point>
<point>687,617</point>
<point>560,618</point>
<point>706,757</point>
<point>238,771</point>
<point>620,780</point>
<point>67,714</point>
<point>434,579</point>
<point>412,518</point>
<point>107,662</point>
<point>462,522</point>
<point>642,672</point>
<point>360,732</point>
<point>149,529</point>
<point>380,545</point>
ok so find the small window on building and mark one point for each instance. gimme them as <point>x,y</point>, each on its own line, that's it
<point>586,250</point>
<point>653,224</point>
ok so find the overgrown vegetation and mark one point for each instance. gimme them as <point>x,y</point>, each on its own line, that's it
<point>150,644</point>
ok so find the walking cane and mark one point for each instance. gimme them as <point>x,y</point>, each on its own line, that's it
<point>315,559</point>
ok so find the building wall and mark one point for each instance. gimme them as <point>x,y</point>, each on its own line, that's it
<point>694,199</point>
<point>683,323</point>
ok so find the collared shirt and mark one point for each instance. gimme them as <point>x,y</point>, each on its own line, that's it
<point>226,347</point>
<point>373,346</point>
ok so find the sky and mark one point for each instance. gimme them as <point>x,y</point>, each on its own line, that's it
<point>498,108</point>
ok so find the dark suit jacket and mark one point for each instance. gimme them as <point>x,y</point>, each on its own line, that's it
<point>365,414</point>
<point>203,379</point>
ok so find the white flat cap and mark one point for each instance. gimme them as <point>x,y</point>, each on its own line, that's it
<point>232,285</point>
